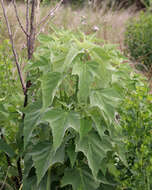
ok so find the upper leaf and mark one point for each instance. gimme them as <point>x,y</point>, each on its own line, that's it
<point>87,71</point>
<point>50,83</point>
<point>71,55</point>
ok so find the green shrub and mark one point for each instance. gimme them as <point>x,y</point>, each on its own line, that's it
<point>136,120</point>
<point>72,115</point>
<point>138,39</point>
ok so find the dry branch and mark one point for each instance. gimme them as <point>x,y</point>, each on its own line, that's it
<point>45,20</point>
<point>13,48</point>
<point>18,19</point>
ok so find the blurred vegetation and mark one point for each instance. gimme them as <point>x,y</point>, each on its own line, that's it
<point>138,39</point>
<point>98,3</point>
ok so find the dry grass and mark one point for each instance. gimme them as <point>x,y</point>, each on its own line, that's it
<point>110,25</point>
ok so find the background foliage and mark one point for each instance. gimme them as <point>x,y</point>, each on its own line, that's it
<point>136,121</point>
<point>138,39</point>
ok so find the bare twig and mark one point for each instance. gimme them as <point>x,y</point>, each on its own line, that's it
<point>42,28</point>
<point>32,31</point>
<point>13,48</point>
<point>51,13</point>
<point>18,19</point>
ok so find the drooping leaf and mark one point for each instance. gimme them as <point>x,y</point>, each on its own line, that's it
<point>32,118</point>
<point>4,147</point>
<point>50,83</point>
<point>106,100</point>
<point>60,121</point>
<point>44,156</point>
<point>86,71</point>
<point>95,149</point>
<point>80,179</point>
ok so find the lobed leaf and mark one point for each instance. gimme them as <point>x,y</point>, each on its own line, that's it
<point>44,156</point>
<point>60,121</point>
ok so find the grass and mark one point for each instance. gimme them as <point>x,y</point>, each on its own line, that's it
<point>109,26</point>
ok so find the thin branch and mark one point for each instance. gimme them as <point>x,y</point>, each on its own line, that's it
<point>13,48</point>
<point>41,29</point>
<point>51,12</point>
<point>18,19</point>
<point>27,26</point>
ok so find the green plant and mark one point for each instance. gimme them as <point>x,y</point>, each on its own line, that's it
<point>138,39</point>
<point>137,127</point>
<point>71,139</point>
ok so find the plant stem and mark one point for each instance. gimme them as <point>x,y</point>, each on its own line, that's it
<point>48,187</point>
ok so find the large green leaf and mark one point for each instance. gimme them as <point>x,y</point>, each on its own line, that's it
<point>72,54</point>
<point>50,83</point>
<point>86,72</point>
<point>4,147</point>
<point>95,149</point>
<point>80,179</point>
<point>32,118</point>
<point>106,100</point>
<point>44,156</point>
<point>60,121</point>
